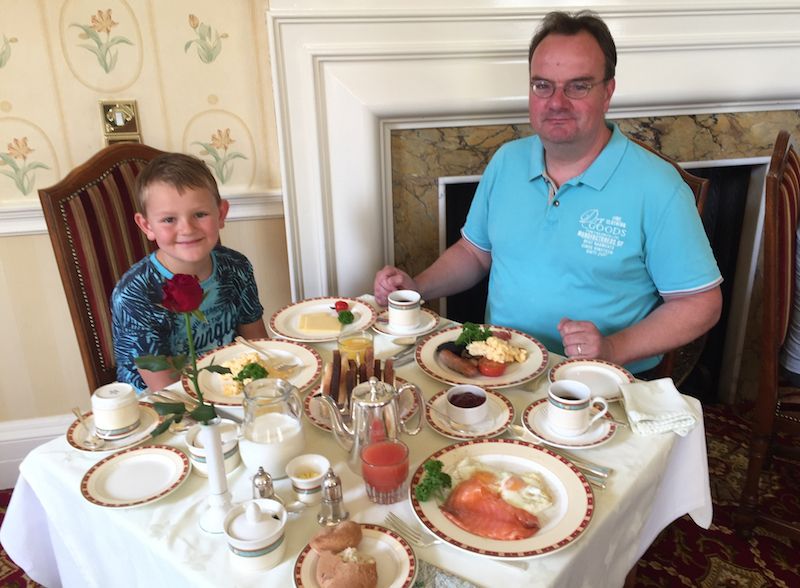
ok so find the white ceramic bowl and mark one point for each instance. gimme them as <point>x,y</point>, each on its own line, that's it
<point>230,448</point>
<point>306,473</point>
<point>463,413</point>
<point>256,536</point>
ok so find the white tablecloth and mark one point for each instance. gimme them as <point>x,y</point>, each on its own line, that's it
<point>61,539</point>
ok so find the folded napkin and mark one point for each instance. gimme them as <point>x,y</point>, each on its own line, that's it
<point>657,407</point>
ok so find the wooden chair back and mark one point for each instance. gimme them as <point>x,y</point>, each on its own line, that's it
<point>89,216</point>
<point>776,404</point>
<point>679,363</point>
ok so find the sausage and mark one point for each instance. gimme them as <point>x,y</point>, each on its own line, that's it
<point>457,363</point>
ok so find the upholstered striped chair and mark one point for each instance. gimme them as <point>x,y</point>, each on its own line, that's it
<point>89,216</point>
<point>777,407</point>
<point>680,362</point>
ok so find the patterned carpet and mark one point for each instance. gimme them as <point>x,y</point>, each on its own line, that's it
<point>684,554</point>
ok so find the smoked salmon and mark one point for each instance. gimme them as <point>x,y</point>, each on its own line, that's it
<point>476,506</point>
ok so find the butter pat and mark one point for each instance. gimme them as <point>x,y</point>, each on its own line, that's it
<point>320,322</point>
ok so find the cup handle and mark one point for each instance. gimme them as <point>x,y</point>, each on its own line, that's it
<point>420,410</point>
<point>598,401</point>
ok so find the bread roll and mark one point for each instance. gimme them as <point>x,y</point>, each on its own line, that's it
<point>348,569</point>
<point>337,539</point>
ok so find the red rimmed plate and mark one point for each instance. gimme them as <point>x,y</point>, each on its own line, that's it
<point>394,558</point>
<point>515,374</point>
<point>148,421</point>
<point>602,377</point>
<point>534,418</point>
<point>501,415</point>
<point>213,385</point>
<point>312,407</point>
<point>286,321</point>
<point>563,523</point>
<point>135,476</point>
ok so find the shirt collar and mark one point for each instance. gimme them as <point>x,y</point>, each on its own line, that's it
<point>598,173</point>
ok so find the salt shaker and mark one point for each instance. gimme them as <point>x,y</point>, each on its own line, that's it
<point>332,512</point>
<point>262,486</point>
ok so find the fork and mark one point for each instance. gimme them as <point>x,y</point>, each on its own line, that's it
<point>415,537</point>
<point>288,365</point>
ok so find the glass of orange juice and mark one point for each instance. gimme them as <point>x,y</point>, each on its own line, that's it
<point>354,345</point>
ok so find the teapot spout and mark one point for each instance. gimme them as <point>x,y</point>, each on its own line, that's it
<point>344,435</point>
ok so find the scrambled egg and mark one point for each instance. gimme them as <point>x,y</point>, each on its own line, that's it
<point>231,387</point>
<point>526,491</point>
<point>498,350</point>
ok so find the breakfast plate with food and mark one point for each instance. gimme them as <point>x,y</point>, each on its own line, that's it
<point>502,498</point>
<point>316,320</point>
<point>353,555</point>
<point>247,365</point>
<point>484,355</point>
<point>535,420</point>
<point>602,377</point>
<point>500,416</point>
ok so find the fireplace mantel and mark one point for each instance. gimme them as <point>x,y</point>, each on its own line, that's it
<point>346,76</point>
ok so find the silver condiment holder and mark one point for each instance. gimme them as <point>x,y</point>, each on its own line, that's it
<point>332,511</point>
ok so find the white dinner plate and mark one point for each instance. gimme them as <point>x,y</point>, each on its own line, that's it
<point>135,476</point>
<point>286,321</point>
<point>535,420</point>
<point>602,377</point>
<point>148,421</point>
<point>501,415</point>
<point>427,323</point>
<point>313,407</point>
<point>561,524</point>
<point>212,384</point>
<point>515,374</point>
<point>394,559</point>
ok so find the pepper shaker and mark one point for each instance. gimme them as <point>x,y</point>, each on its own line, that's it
<point>262,486</point>
<point>332,511</point>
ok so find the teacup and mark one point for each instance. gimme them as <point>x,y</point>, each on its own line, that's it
<point>570,406</point>
<point>230,448</point>
<point>306,473</point>
<point>404,310</point>
<point>115,409</point>
<point>256,534</point>
<point>466,404</point>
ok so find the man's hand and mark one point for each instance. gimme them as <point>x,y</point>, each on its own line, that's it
<point>582,339</point>
<point>389,279</point>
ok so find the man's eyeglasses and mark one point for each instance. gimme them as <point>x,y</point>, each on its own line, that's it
<point>576,89</point>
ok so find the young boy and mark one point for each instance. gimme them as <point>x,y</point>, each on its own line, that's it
<point>182,212</point>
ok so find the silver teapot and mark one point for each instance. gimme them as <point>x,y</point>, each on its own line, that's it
<point>374,416</point>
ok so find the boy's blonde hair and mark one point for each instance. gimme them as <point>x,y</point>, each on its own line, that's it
<point>178,170</point>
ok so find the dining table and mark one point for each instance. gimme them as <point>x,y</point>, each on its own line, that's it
<point>62,539</point>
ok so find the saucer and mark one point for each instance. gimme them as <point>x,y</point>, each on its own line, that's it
<point>501,415</point>
<point>535,420</point>
<point>427,322</point>
<point>148,421</point>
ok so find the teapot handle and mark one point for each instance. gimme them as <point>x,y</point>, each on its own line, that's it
<point>420,403</point>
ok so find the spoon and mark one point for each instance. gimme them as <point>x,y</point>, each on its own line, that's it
<point>286,366</point>
<point>457,427</point>
<point>92,441</point>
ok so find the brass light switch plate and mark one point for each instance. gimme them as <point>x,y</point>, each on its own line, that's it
<point>120,121</point>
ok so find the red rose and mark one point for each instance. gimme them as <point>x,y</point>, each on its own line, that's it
<point>182,293</point>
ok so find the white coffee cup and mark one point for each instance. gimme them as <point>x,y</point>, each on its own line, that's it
<point>404,310</point>
<point>570,406</point>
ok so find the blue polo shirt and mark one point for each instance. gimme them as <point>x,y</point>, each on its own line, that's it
<point>604,248</point>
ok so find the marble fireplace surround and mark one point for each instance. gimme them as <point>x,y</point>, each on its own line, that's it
<point>352,76</point>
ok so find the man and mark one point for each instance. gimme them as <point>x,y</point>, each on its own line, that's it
<point>592,243</point>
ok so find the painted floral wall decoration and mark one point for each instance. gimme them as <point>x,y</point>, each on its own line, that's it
<point>21,169</point>
<point>208,41</point>
<point>102,23</point>
<point>221,161</point>
<point>5,49</point>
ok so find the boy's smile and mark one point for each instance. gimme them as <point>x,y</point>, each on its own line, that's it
<point>185,225</point>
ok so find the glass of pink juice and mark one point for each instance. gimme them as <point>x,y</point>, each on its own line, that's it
<point>384,466</point>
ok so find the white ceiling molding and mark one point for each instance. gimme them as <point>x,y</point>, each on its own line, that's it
<point>343,77</point>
